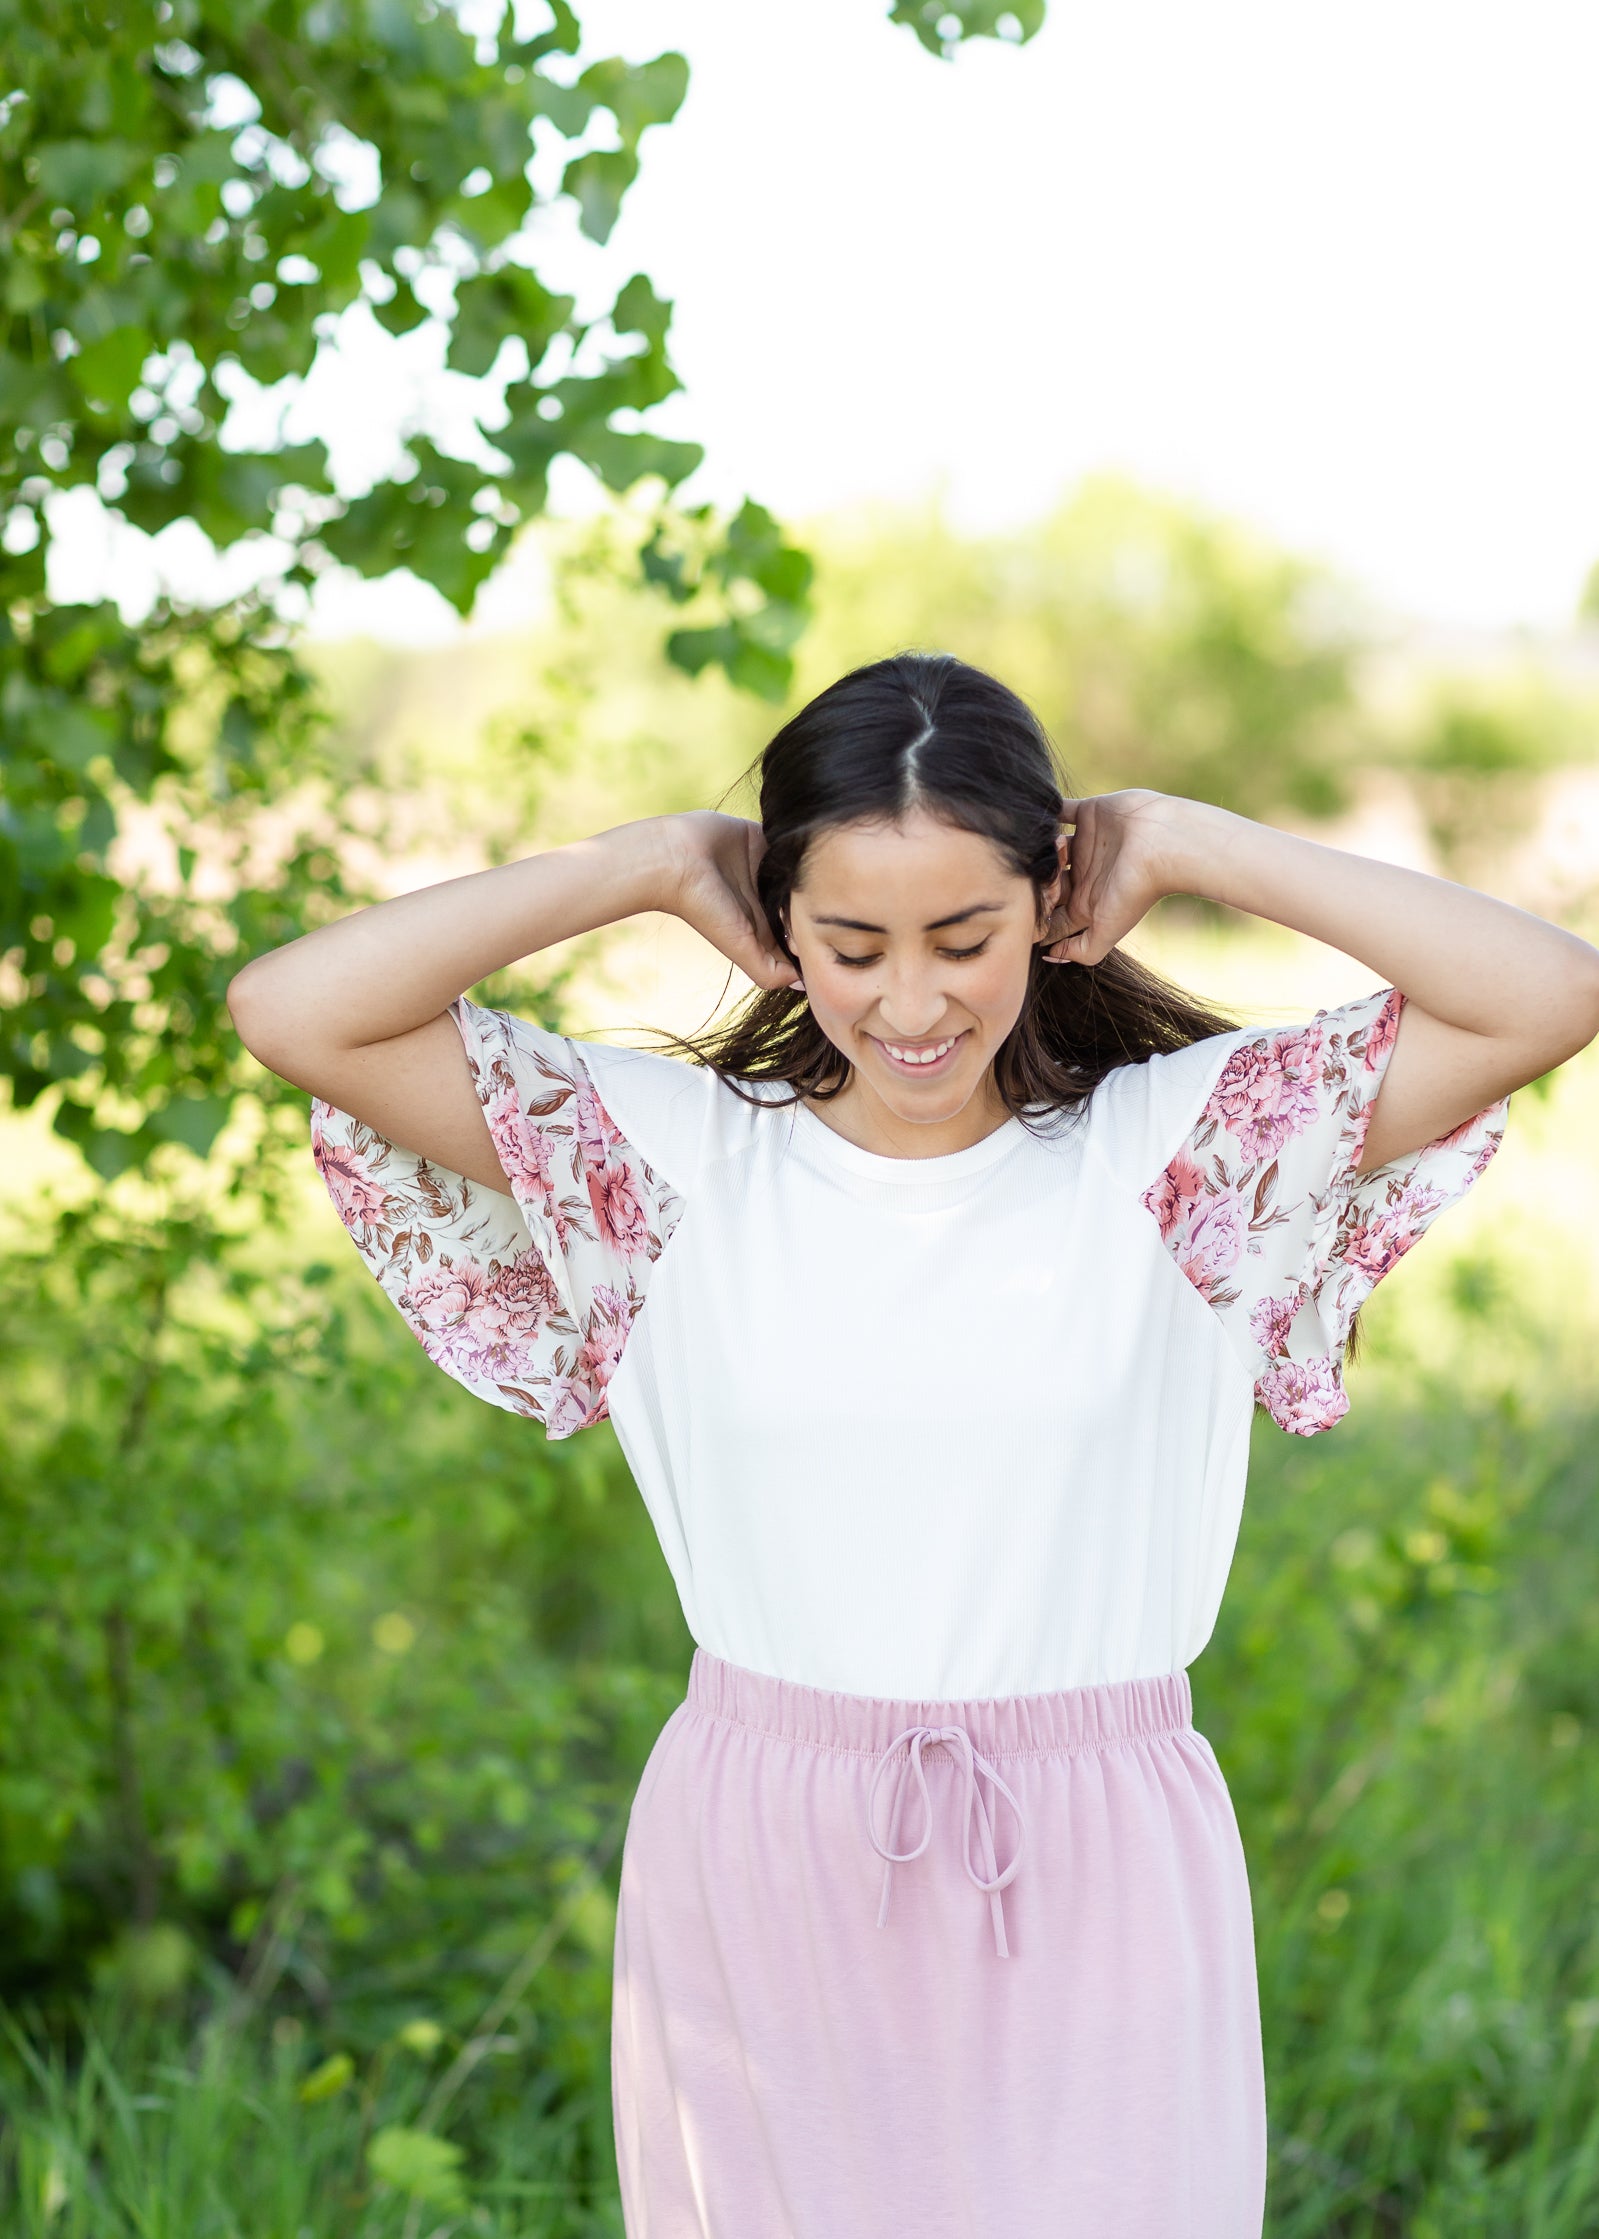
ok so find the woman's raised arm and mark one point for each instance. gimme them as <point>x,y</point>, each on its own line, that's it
<point>1494,996</point>
<point>357,1012</point>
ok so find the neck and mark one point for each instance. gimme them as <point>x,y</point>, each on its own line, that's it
<point>860,1115</point>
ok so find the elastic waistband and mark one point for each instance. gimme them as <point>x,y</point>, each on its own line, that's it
<point>1067,1722</point>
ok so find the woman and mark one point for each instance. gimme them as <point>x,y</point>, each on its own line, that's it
<point>931,1301</point>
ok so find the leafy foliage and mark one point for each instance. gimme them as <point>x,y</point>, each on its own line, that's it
<point>114,984</point>
<point>198,191</point>
<point>195,195</point>
<point>942,24</point>
<point>246,1659</point>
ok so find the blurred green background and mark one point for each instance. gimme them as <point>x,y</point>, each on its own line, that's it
<point>324,1687</point>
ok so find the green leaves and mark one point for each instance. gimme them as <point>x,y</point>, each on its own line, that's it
<point>106,373</point>
<point>369,148</point>
<point>422,525</point>
<point>493,307</point>
<point>421,2166</point>
<point>941,25</point>
<point>221,1481</point>
<point>192,191</point>
<point>370,151</point>
<point>327,2080</point>
<point>79,172</point>
<point>637,95</point>
<point>118,995</point>
<point>766,582</point>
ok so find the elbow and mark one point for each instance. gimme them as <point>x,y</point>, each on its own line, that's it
<point>251,1010</point>
<point>1569,1013</point>
<point>1584,1002</point>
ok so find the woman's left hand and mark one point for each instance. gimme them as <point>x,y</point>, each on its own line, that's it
<point>1114,867</point>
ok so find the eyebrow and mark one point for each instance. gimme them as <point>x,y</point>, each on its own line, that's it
<point>938,925</point>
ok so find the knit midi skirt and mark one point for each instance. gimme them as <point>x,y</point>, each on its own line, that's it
<point>968,1970</point>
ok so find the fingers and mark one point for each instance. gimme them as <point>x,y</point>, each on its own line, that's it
<point>742,932</point>
<point>769,971</point>
<point>760,960</point>
<point>1082,886</point>
<point>781,965</point>
<point>1066,950</point>
<point>758,963</point>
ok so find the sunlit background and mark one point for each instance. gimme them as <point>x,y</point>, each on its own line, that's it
<point>1326,269</point>
<point>1225,379</point>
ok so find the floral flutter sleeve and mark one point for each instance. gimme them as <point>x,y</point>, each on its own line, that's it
<point>1264,1213</point>
<point>524,1296</point>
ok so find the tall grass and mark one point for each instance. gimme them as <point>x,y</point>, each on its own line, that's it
<point>148,2131</point>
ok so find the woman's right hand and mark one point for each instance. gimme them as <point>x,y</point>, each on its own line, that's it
<point>710,862</point>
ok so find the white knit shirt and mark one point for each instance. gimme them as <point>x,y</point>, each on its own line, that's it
<point>951,1427</point>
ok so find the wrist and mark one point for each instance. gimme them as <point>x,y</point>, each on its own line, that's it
<point>1196,841</point>
<point>646,861</point>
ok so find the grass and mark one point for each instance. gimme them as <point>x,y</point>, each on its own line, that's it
<point>147,2129</point>
<point>1405,1697</point>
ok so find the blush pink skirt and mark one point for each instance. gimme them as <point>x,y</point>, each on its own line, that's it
<point>968,1970</point>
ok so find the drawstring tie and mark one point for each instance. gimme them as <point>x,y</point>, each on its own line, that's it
<point>913,1740</point>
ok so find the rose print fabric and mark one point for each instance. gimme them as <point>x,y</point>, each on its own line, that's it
<point>1263,1212</point>
<point>526,1298</point>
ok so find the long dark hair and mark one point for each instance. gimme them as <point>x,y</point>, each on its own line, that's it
<point>924,730</point>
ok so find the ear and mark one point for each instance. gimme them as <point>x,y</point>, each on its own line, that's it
<point>1049,902</point>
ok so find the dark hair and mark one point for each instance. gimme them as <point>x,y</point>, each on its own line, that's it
<point>924,730</point>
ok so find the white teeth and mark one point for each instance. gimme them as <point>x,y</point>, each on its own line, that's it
<point>922,1057</point>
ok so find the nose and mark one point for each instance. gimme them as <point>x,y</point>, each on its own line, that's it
<point>912,1003</point>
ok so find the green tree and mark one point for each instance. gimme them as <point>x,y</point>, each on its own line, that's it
<point>193,193</point>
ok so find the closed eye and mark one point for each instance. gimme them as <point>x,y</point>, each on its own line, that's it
<point>955,955</point>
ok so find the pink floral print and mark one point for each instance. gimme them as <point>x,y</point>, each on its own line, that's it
<point>1303,1396</point>
<point>359,1197</point>
<point>1270,1091</point>
<point>619,1213</point>
<point>1264,1214</point>
<point>525,1296</point>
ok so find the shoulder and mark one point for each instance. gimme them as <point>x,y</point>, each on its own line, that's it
<point>677,1117</point>
<point>1140,1113</point>
<point>1260,1083</point>
<point>681,1117</point>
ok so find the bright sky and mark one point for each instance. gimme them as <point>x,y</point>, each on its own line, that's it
<point>1327,266</point>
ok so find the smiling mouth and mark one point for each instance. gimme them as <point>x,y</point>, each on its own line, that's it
<point>919,1059</point>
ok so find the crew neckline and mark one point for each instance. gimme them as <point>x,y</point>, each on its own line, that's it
<point>882,1166</point>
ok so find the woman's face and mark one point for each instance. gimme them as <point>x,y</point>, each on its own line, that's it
<point>914,941</point>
